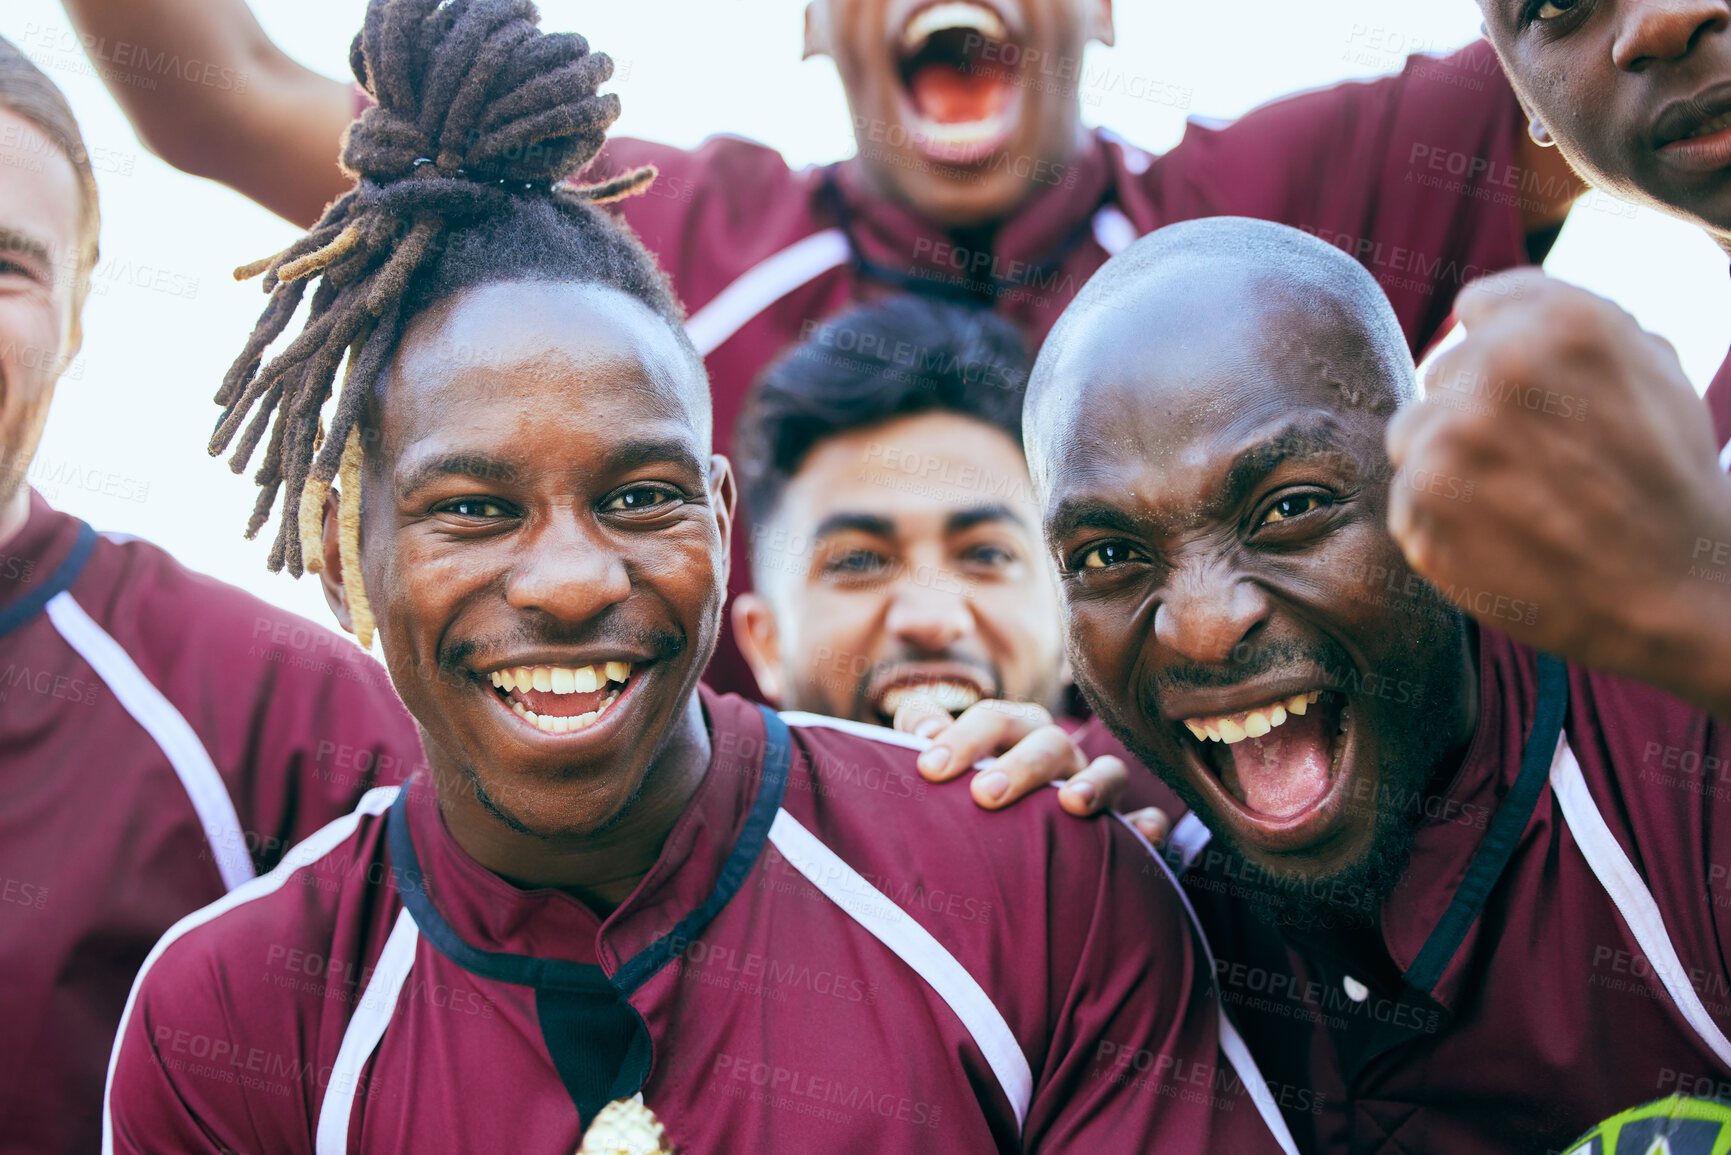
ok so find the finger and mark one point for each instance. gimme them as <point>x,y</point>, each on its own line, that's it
<point>1152,823</point>
<point>921,716</point>
<point>1035,762</point>
<point>1488,296</point>
<point>1095,787</point>
<point>985,729</point>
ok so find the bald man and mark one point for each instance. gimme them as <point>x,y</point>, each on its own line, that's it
<point>1205,430</point>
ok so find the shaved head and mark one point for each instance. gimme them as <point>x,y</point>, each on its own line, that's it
<point>1206,433</point>
<point>1203,297</point>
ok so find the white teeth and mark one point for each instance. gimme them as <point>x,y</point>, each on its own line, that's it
<point>561,679</point>
<point>928,22</point>
<point>1251,724</point>
<point>952,696</point>
<point>1718,123</point>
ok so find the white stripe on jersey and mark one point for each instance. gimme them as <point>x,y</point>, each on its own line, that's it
<point>168,727</point>
<point>868,731</point>
<point>372,1014</point>
<point>896,929</point>
<point>1113,230</point>
<point>1231,1043</point>
<point>763,284</point>
<point>1629,891</point>
<point>300,856</point>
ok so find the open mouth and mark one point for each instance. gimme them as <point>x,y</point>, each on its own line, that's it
<point>957,61</point>
<point>1694,135</point>
<point>952,686</point>
<point>1279,761</point>
<point>562,699</point>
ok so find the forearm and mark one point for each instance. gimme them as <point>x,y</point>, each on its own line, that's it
<point>231,106</point>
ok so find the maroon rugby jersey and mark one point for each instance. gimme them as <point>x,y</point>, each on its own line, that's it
<point>1415,174</point>
<point>1553,1010</point>
<point>887,972</point>
<point>164,736</point>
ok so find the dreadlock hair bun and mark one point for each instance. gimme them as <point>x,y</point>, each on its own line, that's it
<point>478,119</point>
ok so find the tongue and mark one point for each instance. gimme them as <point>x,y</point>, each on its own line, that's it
<point>1286,770</point>
<point>948,95</point>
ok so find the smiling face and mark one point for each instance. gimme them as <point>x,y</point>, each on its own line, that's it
<point>902,558</point>
<point>544,540</point>
<point>961,108</point>
<point>1215,491</point>
<point>1636,93</point>
<point>39,236</point>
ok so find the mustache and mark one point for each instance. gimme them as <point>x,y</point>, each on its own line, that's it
<point>1246,663</point>
<point>862,686</point>
<point>659,644</point>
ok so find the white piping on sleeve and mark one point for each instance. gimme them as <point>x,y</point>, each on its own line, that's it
<point>1629,891</point>
<point>300,856</point>
<point>1113,230</point>
<point>367,1026</point>
<point>763,284</point>
<point>914,944</point>
<point>1231,1043</point>
<point>170,730</point>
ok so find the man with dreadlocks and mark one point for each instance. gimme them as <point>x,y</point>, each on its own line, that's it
<point>975,178</point>
<point>162,736</point>
<point>611,882</point>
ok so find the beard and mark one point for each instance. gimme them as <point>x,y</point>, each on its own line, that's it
<point>1415,745</point>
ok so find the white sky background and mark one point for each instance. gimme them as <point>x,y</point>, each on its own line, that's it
<point>136,406</point>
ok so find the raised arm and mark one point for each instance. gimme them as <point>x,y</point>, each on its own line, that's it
<point>223,101</point>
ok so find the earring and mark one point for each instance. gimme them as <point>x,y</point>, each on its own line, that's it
<point>1540,134</point>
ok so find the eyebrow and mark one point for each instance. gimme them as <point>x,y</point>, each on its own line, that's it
<point>32,246</point>
<point>1300,441</point>
<point>621,458</point>
<point>966,519</point>
<point>855,523</point>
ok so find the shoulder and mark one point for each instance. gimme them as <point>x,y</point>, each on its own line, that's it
<point>863,794</point>
<point>240,1004</point>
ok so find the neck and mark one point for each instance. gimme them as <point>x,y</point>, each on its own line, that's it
<point>14,512</point>
<point>622,836</point>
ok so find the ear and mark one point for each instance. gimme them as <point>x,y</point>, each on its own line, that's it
<point>818,40</point>
<point>331,576</point>
<point>759,639</point>
<point>724,496</point>
<point>1100,22</point>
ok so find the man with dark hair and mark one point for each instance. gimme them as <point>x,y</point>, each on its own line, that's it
<point>1427,813</point>
<point>612,886</point>
<point>164,736</point>
<point>974,180</point>
<point>895,547</point>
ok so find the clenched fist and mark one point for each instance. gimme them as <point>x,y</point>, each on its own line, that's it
<point>1560,483</point>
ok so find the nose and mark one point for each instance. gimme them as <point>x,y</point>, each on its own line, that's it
<point>1206,611</point>
<point>1651,31</point>
<point>927,619</point>
<point>567,570</point>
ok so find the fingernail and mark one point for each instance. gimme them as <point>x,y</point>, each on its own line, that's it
<point>934,758</point>
<point>1083,791</point>
<point>992,785</point>
<point>929,728</point>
